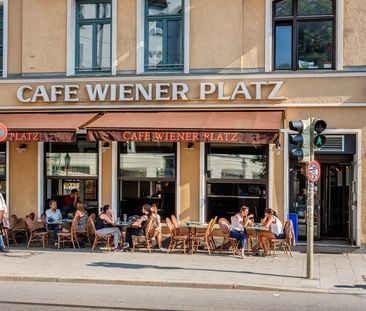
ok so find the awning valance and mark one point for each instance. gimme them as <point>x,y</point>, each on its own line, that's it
<point>46,127</point>
<point>256,127</point>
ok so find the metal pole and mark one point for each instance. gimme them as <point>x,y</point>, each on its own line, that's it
<point>310,214</point>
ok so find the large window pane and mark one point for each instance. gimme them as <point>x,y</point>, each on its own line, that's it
<point>87,10</point>
<point>283,8</point>
<point>174,44</point>
<point>313,7</point>
<point>283,47</point>
<point>315,45</point>
<point>103,46</point>
<point>2,164</point>
<point>164,7</point>
<point>86,47</point>
<point>155,56</point>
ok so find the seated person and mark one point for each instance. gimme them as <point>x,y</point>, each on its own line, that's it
<point>238,224</point>
<point>69,202</point>
<point>105,225</point>
<point>139,225</point>
<point>53,215</point>
<point>157,227</point>
<point>42,227</point>
<point>83,215</point>
<point>270,221</point>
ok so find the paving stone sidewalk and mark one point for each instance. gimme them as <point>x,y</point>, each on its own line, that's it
<point>334,273</point>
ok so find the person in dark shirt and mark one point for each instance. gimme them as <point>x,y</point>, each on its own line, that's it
<point>69,203</point>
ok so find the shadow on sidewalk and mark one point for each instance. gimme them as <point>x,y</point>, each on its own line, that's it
<point>142,266</point>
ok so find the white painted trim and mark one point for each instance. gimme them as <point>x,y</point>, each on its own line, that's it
<point>286,167</point>
<point>187,22</point>
<point>270,203</point>
<point>5,37</point>
<point>7,190</point>
<point>70,41</point>
<point>114,178</point>
<point>140,25</point>
<point>177,186</point>
<point>358,165</point>
<point>100,174</point>
<point>339,35</point>
<point>268,37</point>
<point>114,60</point>
<point>202,190</point>
<point>40,178</point>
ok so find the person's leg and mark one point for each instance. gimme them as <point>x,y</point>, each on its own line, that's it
<point>2,245</point>
<point>265,239</point>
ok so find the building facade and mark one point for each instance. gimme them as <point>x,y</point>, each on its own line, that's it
<point>186,104</point>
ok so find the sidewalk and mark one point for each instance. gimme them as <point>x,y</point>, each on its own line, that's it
<point>333,273</point>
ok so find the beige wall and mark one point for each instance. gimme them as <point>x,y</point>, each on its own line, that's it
<point>107,176</point>
<point>44,36</point>
<point>126,35</point>
<point>354,33</point>
<point>15,37</point>
<point>23,171</point>
<point>189,183</point>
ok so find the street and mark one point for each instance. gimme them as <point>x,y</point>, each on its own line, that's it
<point>29,296</point>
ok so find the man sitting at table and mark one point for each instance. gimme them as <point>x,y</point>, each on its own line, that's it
<point>53,215</point>
<point>238,224</point>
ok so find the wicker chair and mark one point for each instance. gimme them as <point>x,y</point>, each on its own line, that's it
<point>35,236</point>
<point>176,239</point>
<point>85,234</point>
<point>225,227</point>
<point>69,237</point>
<point>98,237</point>
<point>144,240</point>
<point>284,243</point>
<point>206,239</point>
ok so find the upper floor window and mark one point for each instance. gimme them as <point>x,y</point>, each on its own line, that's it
<point>164,24</point>
<point>304,34</point>
<point>93,36</point>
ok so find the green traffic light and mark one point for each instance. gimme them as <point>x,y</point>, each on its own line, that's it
<point>319,141</point>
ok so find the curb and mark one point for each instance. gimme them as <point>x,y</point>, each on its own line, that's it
<point>233,286</point>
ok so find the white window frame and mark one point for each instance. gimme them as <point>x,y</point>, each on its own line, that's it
<point>4,3</point>
<point>269,36</point>
<point>71,35</point>
<point>140,35</point>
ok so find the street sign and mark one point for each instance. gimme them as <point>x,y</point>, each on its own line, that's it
<point>313,171</point>
<point>3,132</point>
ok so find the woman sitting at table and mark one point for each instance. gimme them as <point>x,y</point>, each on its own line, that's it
<point>157,227</point>
<point>82,213</point>
<point>105,225</point>
<point>139,226</point>
<point>42,226</point>
<point>238,224</point>
<point>271,222</point>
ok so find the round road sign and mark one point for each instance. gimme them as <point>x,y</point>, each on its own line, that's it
<point>313,171</point>
<point>3,132</point>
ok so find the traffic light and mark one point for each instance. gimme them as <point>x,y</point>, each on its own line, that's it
<point>301,139</point>
<point>319,127</point>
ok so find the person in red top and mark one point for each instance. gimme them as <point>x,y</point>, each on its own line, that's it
<point>69,202</point>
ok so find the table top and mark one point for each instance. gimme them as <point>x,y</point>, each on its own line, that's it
<point>122,223</point>
<point>60,222</point>
<point>194,224</point>
<point>257,227</point>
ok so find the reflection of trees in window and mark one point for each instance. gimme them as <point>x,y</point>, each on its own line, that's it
<point>261,161</point>
<point>304,35</point>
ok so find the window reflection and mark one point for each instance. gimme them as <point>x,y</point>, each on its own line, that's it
<point>165,7</point>
<point>86,46</point>
<point>283,47</point>
<point>283,8</point>
<point>313,7</point>
<point>103,45</point>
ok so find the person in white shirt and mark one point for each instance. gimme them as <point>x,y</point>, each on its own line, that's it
<point>53,215</point>
<point>238,224</point>
<point>3,222</point>
<point>276,231</point>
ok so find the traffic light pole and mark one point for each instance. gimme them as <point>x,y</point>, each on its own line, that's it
<point>310,214</point>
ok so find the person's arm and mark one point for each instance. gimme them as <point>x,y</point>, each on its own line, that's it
<point>106,218</point>
<point>138,222</point>
<point>269,221</point>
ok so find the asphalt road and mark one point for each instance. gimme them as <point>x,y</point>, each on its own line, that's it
<point>16,296</point>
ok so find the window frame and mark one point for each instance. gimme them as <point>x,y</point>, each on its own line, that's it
<point>94,22</point>
<point>4,63</point>
<point>165,18</point>
<point>295,19</point>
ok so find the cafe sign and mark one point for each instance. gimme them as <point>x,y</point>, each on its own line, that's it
<point>132,92</point>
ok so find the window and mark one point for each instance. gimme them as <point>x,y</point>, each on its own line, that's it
<point>147,176</point>
<point>304,34</point>
<point>164,24</point>
<point>72,166</point>
<point>3,169</point>
<point>1,37</point>
<point>93,36</point>
<point>236,175</point>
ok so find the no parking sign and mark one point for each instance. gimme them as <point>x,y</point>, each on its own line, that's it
<point>3,132</point>
<point>313,171</point>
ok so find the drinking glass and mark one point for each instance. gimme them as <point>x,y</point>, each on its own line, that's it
<point>118,220</point>
<point>124,218</point>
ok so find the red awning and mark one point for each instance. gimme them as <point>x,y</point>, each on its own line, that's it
<point>47,127</point>
<point>260,127</point>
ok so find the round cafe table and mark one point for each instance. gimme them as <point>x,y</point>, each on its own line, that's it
<point>256,228</point>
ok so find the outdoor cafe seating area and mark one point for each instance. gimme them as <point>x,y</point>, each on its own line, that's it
<point>178,237</point>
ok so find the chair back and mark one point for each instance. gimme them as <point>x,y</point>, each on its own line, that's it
<point>74,224</point>
<point>149,230</point>
<point>175,222</point>
<point>170,225</point>
<point>213,225</point>
<point>12,221</point>
<point>224,225</point>
<point>287,231</point>
<point>91,223</point>
<point>29,222</point>
<point>208,229</point>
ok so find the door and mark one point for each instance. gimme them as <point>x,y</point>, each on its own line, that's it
<point>353,203</point>
<point>335,208</point>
